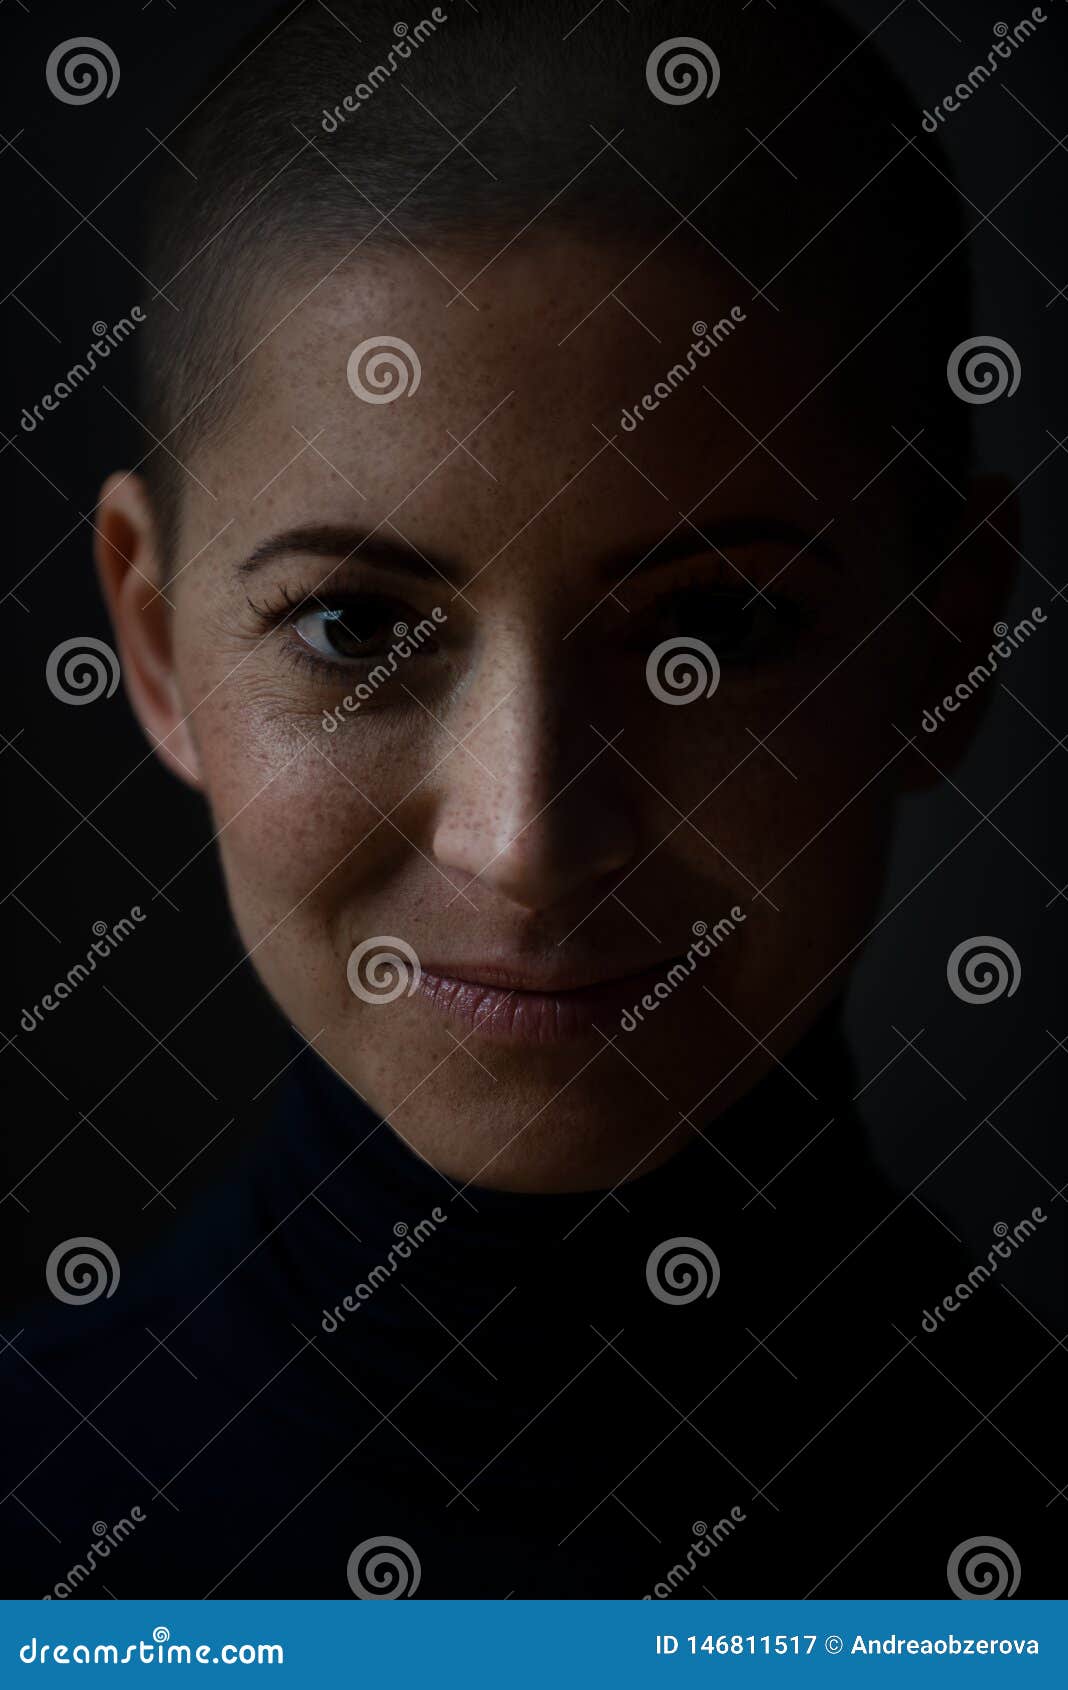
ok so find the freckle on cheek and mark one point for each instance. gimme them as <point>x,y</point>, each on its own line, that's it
<point>288,834</point>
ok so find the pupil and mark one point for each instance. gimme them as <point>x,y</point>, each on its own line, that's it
<point>719,618</point>
<point>343,640</point>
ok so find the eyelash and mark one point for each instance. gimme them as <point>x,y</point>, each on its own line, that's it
<point>374,608</point>
<point>685,608</point>
<point>788,620</point>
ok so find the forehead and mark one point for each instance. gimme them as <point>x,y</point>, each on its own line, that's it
<point>559,381</point>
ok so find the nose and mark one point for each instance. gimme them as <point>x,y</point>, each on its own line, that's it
<point>534,804</point>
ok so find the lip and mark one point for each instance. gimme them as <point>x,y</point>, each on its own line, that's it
<point>508,1005</point>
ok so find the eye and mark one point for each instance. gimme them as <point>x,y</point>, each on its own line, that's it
<point>332,633</point>
<point>741,626</point>
<point>353,630</point>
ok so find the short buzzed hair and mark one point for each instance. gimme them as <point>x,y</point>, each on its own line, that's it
<point>339,130</point>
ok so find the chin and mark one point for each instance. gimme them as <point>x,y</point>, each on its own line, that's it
<point>548,1124</point>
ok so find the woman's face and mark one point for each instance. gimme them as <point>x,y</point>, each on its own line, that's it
<point>515,801</point>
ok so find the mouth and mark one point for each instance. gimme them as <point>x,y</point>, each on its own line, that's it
<point>506,1005</point>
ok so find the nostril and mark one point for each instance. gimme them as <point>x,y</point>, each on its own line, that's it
<point>534,806</point>
<point>543,860</point>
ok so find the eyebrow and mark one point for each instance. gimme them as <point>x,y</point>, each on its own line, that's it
<point>687,540</point>
<point>342,542</point>
<point>691,539</point>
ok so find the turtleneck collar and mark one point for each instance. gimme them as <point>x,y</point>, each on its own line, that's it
<point>371,1194</point>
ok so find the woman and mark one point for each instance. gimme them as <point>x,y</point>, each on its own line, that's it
<point>527,579</point>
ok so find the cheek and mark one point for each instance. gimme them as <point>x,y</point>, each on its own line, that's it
<point>301,819</point>
<point>803,818</point>
<point>761,769</point>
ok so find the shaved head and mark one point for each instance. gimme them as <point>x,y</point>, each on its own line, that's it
<point>743,136</point>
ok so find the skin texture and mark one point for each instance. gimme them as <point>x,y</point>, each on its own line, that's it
<point>516,793</point>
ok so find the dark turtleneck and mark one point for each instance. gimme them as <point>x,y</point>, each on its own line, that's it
<point>507,1394</point>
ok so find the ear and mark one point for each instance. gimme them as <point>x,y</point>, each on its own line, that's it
<point>131,575</point>
<point>968,594</point>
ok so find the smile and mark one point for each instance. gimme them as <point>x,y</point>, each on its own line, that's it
<point>508,1008</point>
